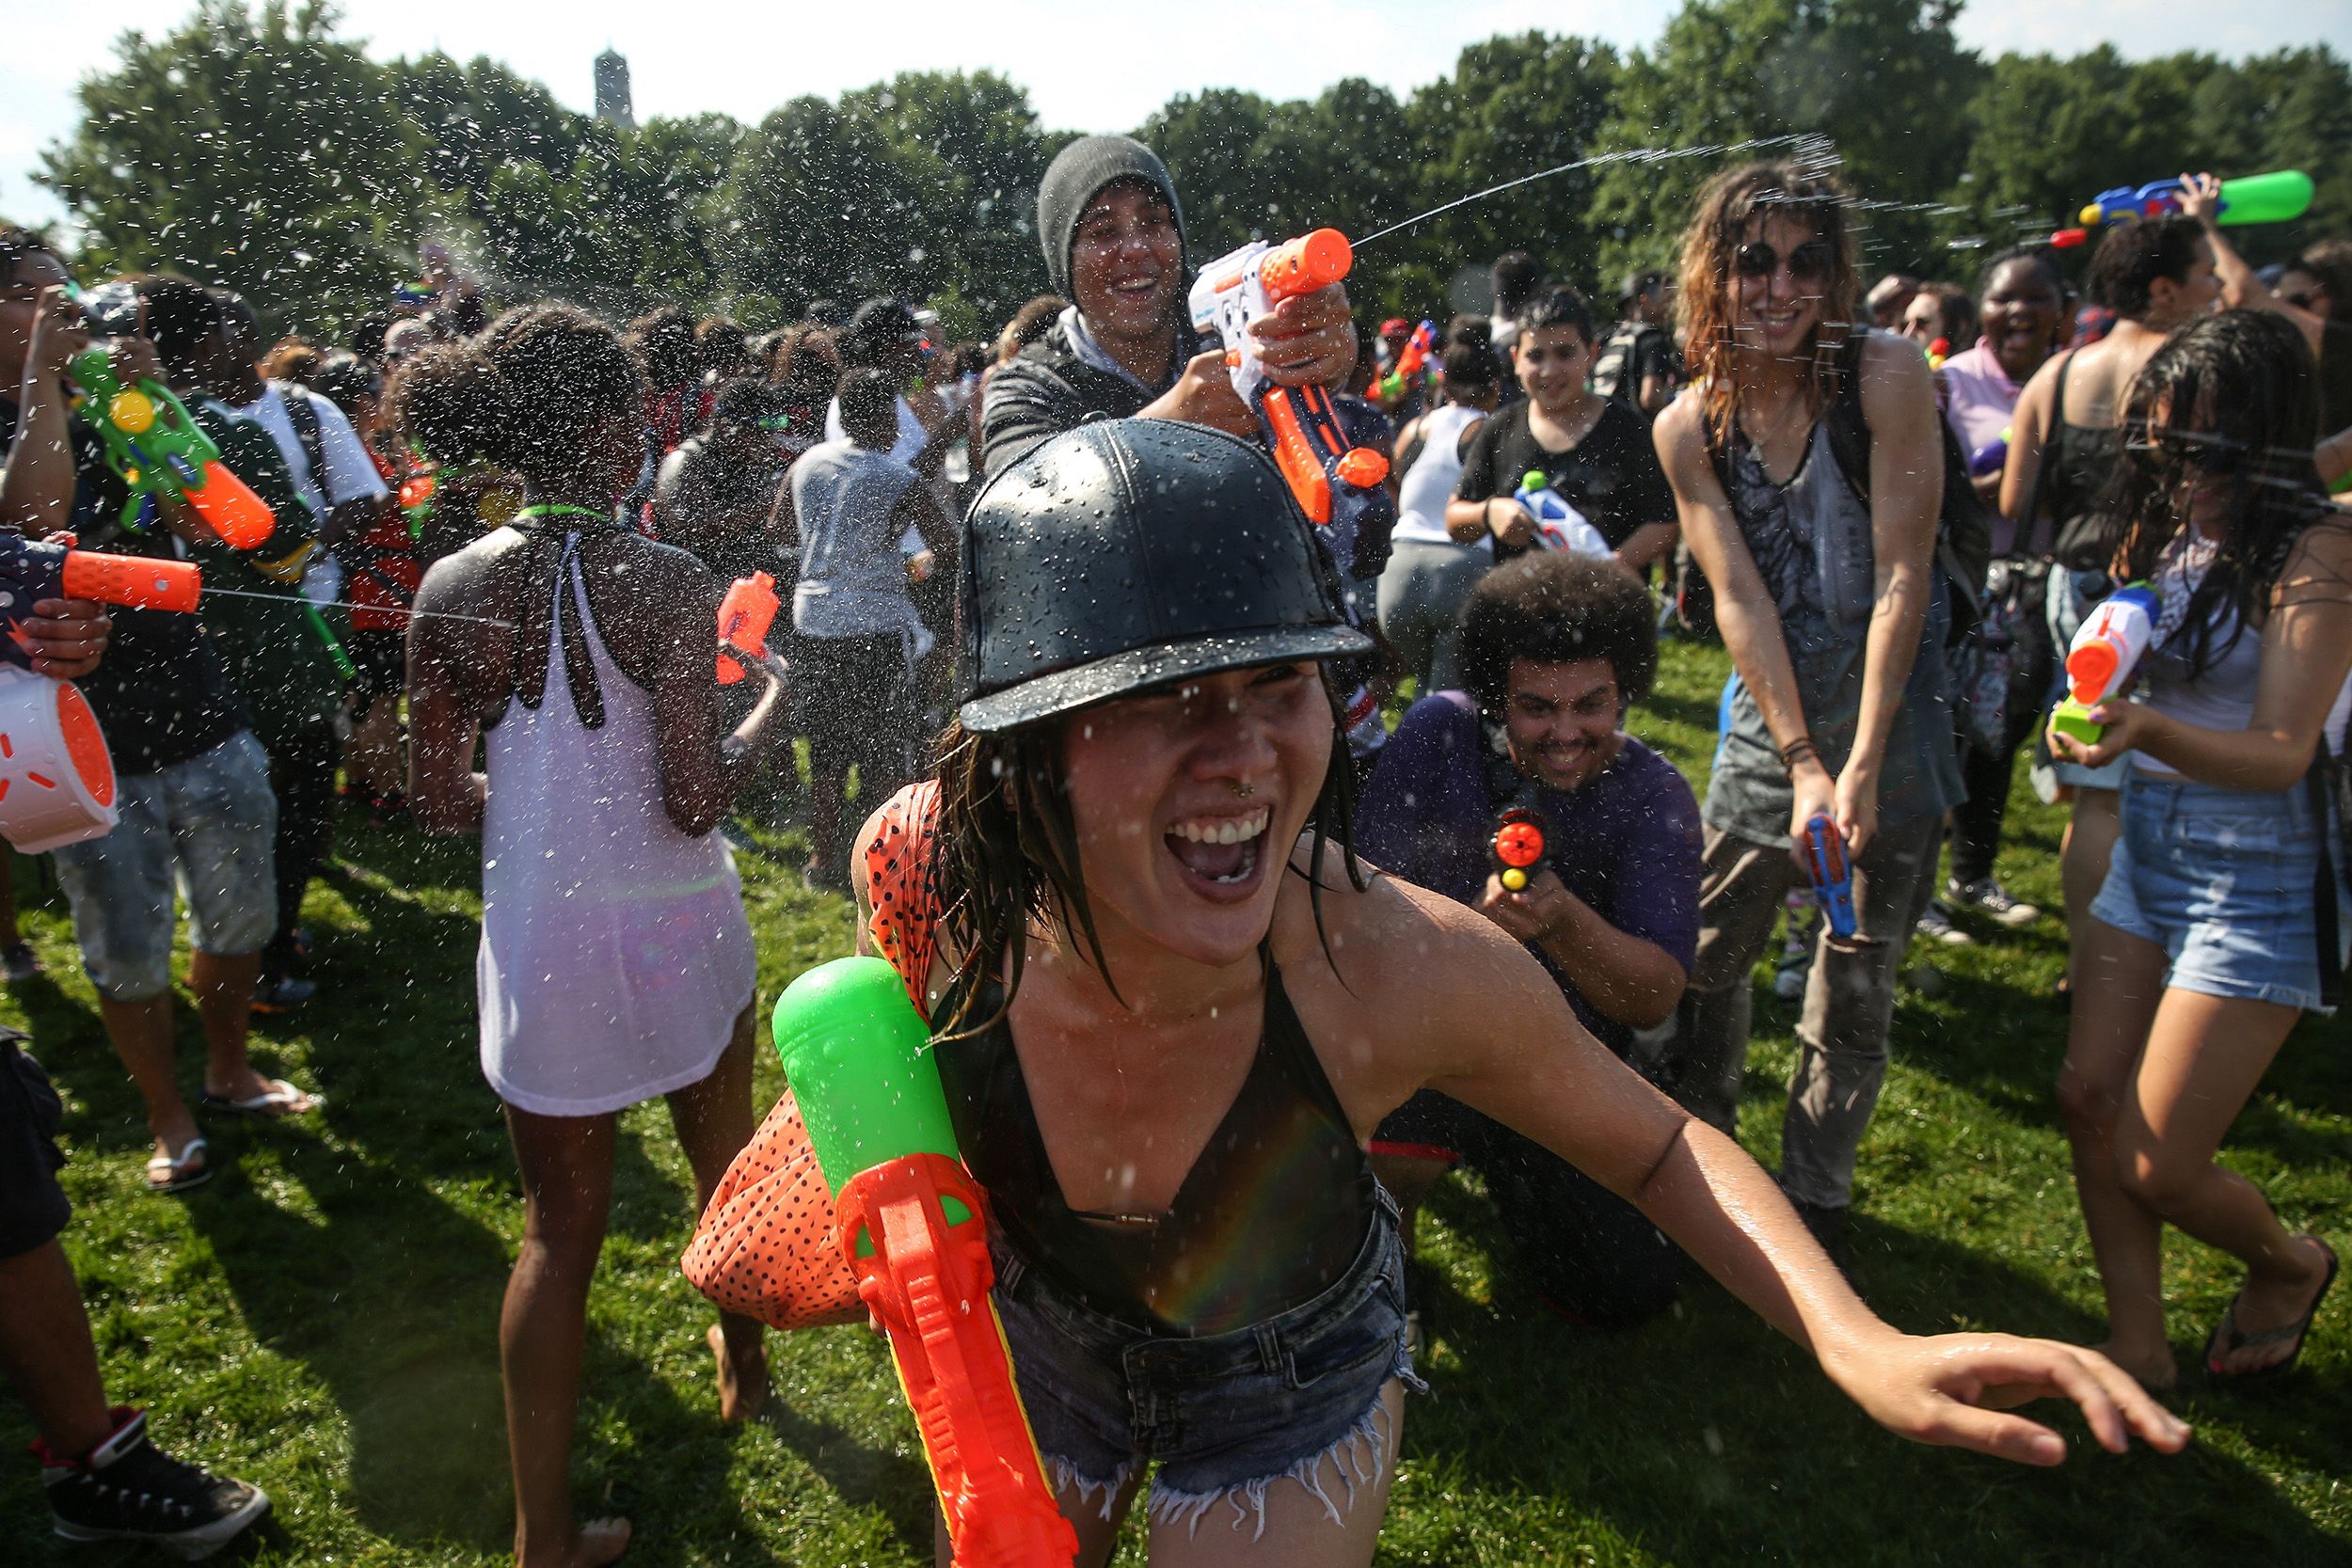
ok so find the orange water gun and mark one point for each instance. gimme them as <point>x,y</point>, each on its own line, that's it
<point>745,617</point>
<point>1518,851</point>
<point>1337,483</point>
<point>912,1224</point>
<point>1410,360</point>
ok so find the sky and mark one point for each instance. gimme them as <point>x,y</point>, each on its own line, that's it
<point>687,57</point>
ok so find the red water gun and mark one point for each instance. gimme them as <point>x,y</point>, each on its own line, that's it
<point>1518,848</point>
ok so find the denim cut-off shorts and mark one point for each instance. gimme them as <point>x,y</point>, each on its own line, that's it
<point>2222,880</point>
<point>1227,1415</point>
<point>205,825</point>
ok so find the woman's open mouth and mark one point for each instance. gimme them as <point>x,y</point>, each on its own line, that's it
<point>1220,856</point>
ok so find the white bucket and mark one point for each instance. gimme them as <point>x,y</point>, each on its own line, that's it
<point>57,778</point>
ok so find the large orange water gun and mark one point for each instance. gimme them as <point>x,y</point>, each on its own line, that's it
<point>912,1224</point>
<point>1337,483</point>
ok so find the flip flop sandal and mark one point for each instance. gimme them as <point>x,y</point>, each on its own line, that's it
<point>168,1175</point>
<point>2226,1338</point>
<point>277,1098</point>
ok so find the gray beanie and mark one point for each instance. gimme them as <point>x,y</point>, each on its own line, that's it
<point>1076,173</point>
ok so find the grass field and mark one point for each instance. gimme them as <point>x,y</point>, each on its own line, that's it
<point>321,1318</point>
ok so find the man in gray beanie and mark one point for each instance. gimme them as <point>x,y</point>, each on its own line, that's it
<point>1113,233</point>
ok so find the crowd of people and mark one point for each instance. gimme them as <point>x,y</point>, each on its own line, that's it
<point>1070,663</point>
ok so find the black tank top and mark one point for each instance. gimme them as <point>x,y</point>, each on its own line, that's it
<point>1271,1213</point>
<point>2076,461</point>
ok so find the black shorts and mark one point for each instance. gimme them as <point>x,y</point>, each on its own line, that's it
<point>853,697</point>
<point>380,660</point>
<point>33,1208</point>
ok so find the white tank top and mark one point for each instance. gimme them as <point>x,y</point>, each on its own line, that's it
<point>1428,484</point>
<point>615,955</point>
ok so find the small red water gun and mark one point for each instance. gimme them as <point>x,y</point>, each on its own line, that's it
<point>1517,849</point>
<point>745,617</point>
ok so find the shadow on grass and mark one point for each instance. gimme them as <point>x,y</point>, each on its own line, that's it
<point>1705,1438</point>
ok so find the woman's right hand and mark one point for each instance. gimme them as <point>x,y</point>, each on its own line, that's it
<point>1518,524</point>
<point>1812,792</point>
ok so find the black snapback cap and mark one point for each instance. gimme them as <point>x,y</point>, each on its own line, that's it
<point>1128,553</point>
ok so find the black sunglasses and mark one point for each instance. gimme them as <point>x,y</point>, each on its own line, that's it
<point>1807,263</point>
<point>2205,453</point>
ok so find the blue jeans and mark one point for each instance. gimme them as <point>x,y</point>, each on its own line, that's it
<point>1227,1415</point>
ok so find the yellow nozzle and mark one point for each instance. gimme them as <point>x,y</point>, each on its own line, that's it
<point>1515,879</point>
<point>2091,216</point>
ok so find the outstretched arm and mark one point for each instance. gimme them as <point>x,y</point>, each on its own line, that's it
<point>1506,1043</point>
<point>2242,288</point>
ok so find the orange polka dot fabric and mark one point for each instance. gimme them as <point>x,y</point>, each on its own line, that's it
<point>765,1247</point>
<point>898,880</point>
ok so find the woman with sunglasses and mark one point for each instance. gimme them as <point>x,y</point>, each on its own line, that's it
<point>1168,1020</point>
<point>2065,441</point>
<point>2209,937</point>
<point>1831,603</point>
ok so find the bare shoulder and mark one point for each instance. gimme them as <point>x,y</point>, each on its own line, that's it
<point>2319,568</point>
<point>1894,372</point>
<point>1391,946</point>
<point>462,578</point>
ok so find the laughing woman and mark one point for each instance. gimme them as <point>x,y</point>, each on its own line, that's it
<point>1161,985</point>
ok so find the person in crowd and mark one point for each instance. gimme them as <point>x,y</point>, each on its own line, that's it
<point>1513,280</point>
<point>366,337</point>
<point>1595,451</point>
<point>2022,309</point>
<point>1832,606</point>
<point>2066,439</point>
<point>382,567</point>
<point>1889,298</point>
<point>578,656</point>
<point>102,1476</point>
<point>1554,649</point>
<point>293,358</point>
<point>1940,313</point>
<point>717,490</point>
<point>1143,1013</point>
<point>804,368</point>
<point>862,518</point>
<point>1029,324</point>
<point>2208,938</point>
<point>664,343</point>
<point>1430,573</point>
<point>432,404</point>
<point>191,786</point>
<point>286,657</point>
<point>2314,291</point>
<point>1637,363</point>
<point>884,336</point>
<point>1113,234</point>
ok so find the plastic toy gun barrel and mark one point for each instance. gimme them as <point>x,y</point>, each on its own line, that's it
<point>745,617</point>
<point>1518,848</point>
<point>36,569</point>
<point>2277,198</point>
<point>914,1230</point>
<point>152,443</point>
<point>1833,880</point>
<point>1411,359</point>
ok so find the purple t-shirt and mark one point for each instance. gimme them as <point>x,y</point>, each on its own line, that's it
<point>1626,843</point>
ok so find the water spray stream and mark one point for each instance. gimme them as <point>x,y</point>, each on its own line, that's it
<point>347,604</point>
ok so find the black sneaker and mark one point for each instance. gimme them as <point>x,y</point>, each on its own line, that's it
<point>127,1489</point>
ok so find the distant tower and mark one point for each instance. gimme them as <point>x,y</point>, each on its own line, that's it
<point>612,90</point>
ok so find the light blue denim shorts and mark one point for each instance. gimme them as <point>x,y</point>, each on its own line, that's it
<point>205,825</point>
<point>2223,880</point>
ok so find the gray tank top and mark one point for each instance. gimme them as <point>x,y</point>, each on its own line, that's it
<point>1811,541</point>
<point>853,580</point>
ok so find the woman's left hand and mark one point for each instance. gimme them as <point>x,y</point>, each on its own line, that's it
<point>2125,726</point>
<point>1951,1389</point>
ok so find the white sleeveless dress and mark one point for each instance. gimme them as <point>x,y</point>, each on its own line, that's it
<point>616,956</point>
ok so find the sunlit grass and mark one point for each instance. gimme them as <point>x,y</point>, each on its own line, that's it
<point>323,1317</point>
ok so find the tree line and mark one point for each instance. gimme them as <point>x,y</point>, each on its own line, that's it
<point>258,147</point>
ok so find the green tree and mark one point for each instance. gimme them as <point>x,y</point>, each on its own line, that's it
<point>248,148</point>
